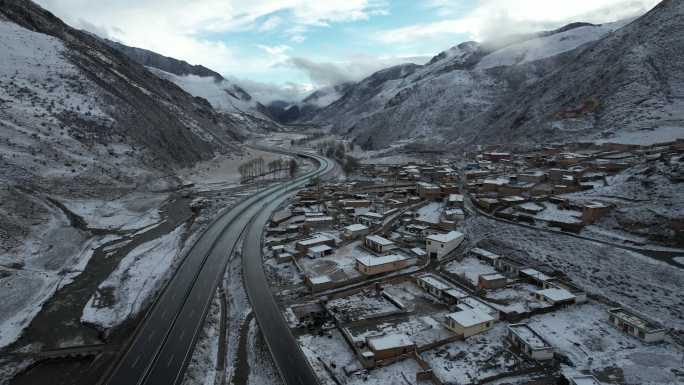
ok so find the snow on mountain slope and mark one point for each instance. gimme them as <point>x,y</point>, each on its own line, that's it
<point>547,46</point>
<point>79,120</point>
<point>630,81</point>
<point>461,92</point>
<point>221,94</point>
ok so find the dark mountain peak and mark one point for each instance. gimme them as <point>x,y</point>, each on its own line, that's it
<point>152,59</point>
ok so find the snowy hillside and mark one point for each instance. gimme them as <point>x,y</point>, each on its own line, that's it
<point>221,94</point>
<point>532,88</point>
<point>547,46</point>
<point>80,122</point>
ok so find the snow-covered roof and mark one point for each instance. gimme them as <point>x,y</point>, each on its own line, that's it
<point>370,260</point>
<point>320,279</point>
<point>379,240</point>
<point>455,198</point>
<point>585,380</point>
<point>435,282</point>
<point>319,219</point>
<point>529,336</point>
<point>356,227</point>
<point>535,274</point>
<point>444,238</point>
<point>556,295</point>
<point>371,214</point>
<point>320,248</point>
<point>418,251</point>
<point>470,317</point>
<point>491,277</point>
<point>314,240</point>
<point>484,253</point>
<point>391,341</point>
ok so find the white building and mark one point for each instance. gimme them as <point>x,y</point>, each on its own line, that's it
<point>379,244</point>
<point>356,230</point>
<point>529,342</point>
<point>469,322</point>
<point>439,245</point>
<point>371,265</point>
<point>319,251</point>
<point>635,325</point>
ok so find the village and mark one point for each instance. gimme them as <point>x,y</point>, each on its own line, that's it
<point>382,279</point>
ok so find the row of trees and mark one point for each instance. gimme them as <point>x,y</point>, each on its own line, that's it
<point>338,151</point>
<point>258,167</point>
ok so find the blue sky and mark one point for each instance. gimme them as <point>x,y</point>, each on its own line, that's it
<point>294,46</point>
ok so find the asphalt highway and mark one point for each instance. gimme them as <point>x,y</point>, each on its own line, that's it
<point>163,343</point>
<point>291,362</point>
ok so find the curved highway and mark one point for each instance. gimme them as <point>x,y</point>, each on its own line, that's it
<point>291,362</point>
<point>163,343</point>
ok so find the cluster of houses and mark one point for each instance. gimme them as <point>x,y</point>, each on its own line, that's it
<point>407,222</point>
<point>529,187</point>
<point>381,228</point>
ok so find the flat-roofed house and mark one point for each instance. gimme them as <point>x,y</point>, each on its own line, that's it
<point>509,266</point>
<point>635,325</point>
<point>370,218</point>
<point>492,281</point>
<point>319,251</point>
<point>529,342</point>
<point>372,265</point>
<point>355,231</point>
<point>379,244</point>
<point>578,292</point>
<point>455,200</point>
<point>484,255</point>
<point>428,191</point>
<point>593,211</point>
<point>583,380</point>
<point>390,346</point>
<point>555,296</point>
<point>317,222</point>
<point>439,245</point>
<point>455,214</point>
<point>432,284</point>
<point>469,322</point>
<point>320,239</point>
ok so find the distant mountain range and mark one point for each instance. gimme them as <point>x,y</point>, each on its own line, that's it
<point>578,82</point>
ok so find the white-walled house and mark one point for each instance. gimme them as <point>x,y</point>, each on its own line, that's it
<point>529,342</point>
<point>635,325</point>
<point>379,244</point>
<point>469,322</point>
<point>356,230</point>
<point>439,245</point>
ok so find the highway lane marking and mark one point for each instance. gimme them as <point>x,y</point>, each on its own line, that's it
<point>136,362</point>
<point>169,362</point>
<point>149,338</point>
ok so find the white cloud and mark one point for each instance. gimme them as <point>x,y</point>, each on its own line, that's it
<point>271,23</point>
<point>175,27</point>
<point>492,19</point>
<point>326,74</point>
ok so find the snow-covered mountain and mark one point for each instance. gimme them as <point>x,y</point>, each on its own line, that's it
<point>552,85</point>
<point>224,95</point>
<point>286,112</point>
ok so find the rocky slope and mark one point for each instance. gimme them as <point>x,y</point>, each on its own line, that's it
<point>197,80</point>
<point>91,143</point>
<point>164,63</point>
<point>285,112</point>
<point>574,82</point>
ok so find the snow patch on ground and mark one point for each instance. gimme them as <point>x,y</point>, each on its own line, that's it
<point>131,212</point>
<point>544,47</point>
<point>202,367</point>
<point>138,276</point>
<point>646,137</point>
